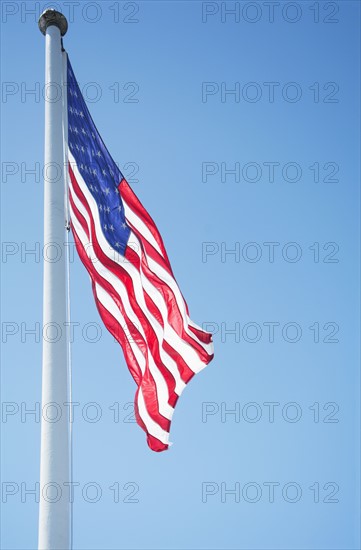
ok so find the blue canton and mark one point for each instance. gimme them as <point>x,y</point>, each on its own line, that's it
<point>99,171</point>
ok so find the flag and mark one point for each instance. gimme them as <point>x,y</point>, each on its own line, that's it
<point>134,288</point>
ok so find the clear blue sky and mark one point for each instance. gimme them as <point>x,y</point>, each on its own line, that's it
<point>160,53</point>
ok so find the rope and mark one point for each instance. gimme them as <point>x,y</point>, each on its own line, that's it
<point>70,386</point>
<point>68,316</point>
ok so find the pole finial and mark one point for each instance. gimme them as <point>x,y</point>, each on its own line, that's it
<point>52,17</point>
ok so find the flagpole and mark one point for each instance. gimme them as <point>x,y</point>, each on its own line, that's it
<point>55,473</point>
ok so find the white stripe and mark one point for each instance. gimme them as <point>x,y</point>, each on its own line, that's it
<point>167,360</point>
<point>141,226</point>
<point>162,389</point>
<point>185,350</point>
<point>167,279</point>
<point>116,284</point>
<point>107,301</point>
<point>152,427</point>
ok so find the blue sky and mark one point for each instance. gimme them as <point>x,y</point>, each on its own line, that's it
<point>158,77</point>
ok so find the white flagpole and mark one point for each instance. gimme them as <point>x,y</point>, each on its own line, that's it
<point>55,474</point>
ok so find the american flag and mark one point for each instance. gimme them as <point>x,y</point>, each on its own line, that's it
<point>133,284</point>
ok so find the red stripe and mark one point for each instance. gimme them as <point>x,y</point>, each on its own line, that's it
<point>134,203</point>
<point>150,250</point>
<point>154,443</point>
<point>129,197</point>
<point>136,335</point>
<point>174,316</point>
<point>203,336</point>
<point>146,381</point>
<point>124,277</point>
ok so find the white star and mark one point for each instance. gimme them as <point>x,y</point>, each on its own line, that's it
<point>124,225</point>
<point>104,172</point>
<point>100,207</point>
<point>81,114</point>
<point>107,209</point>
<point>116,191</point>
<point>76,130</point>
<point>82,149</point>
<point>105,227</point>
<point>83,131</point>
<point>107,191</point>
<point>119,208</point>
<point>111,228</point>
<point>93,135</point>
<point>94,172</point>
<point>117,245</point>
<point>99,154</point>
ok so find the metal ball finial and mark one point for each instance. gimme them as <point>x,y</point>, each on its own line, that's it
<point>53,17</point>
